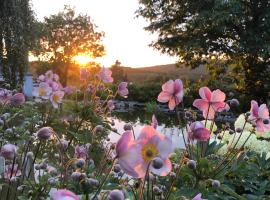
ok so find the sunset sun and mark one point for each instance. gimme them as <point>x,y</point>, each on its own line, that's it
<point>82,59</point>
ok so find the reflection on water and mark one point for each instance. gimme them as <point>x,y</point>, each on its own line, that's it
<point>140,119</point>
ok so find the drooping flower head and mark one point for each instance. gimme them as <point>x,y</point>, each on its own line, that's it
<point>43,91</point>
<point>172,92</point>
<point>135,156</point>
<point>64,194</point>
<point>116,195</point>
<point>259,116</point>
<point>81,151</point>
<point>17,99</point>
<point>56,98</point>
<point>211,102</point>
<point>197,131</point>
<point>5,95</point>
<point>105,75</point>
<point>8,151</point>
<point>122,89</point>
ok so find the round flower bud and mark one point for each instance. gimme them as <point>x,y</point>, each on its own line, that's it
<point>5,116</point>
<point>234,102</point>
<point>247,114</point>
<point>80,163</point>
<point>8,151</point>
<point>156,190</point>
<point>62,144</point>
<point>45,155</point>
<point>266,121</point>
<point>219,136</point>
<point>8,131</point>
<point>99,129</point>
<point>192,164</point>
<point>116,195</point>
<point>45,133</point>
<point>56,155</point>
<point>2,122</point>
<point>93,182</point>
<point>215,183</point>
<point>17,99</point>
<point>231,132</point>
<point>238,130</point>
<point>91,162</point>
<point>127,127</point>
<point>172,175</point>
<point>76,176</point>
<point>51,181</point>
<point>117,168</point>
<point>157,163</point>
<point>112,123</point>
<point>43,166</point>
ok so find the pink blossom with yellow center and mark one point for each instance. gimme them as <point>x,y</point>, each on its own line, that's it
<point>56,98</point>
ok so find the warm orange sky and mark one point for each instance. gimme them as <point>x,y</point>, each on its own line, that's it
<point>125,38</point>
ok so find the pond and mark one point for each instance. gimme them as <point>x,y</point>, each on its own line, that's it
<point>138,119</point>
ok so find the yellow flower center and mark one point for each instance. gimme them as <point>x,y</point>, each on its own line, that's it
<point>42,92</point>
<point>149,152</point>
<point>55,98</point>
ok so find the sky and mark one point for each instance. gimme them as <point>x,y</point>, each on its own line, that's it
<point>125,39</point>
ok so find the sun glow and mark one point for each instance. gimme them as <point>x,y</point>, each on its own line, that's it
<point>82,59</point>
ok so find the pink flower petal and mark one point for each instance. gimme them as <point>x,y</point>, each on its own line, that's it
<point>164,147</point>
<point>147,133</point>
<point>218,96</point>
<point>168,87</point>
<point>263,112</point>
<point>254,108</point>
<point>198,197</point>
<point>205,93</point>
<point>260,126</point>
<point>209,113</point>
<point>164,97</point>
<point>201,104</point>
<point>172,103</point>
<point>220,106</point>
<point>178,86</point>
<point>124,143</point>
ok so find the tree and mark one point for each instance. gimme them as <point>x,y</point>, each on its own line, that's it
<point>16,19</point>
<point>234,31</point>
<point>67,35</point>
<point>118,72</point>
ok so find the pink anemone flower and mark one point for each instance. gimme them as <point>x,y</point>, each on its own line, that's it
<point>105,75</point>
<point>259,116</point>
<point>172,92</point>
<point>135,156</point>
<point>211,102</point>
<point>49,75</point>
<point>63,194</point>
<point>43,91</point>
<point>56,98</point>
<point>197,131</point>
<point>122,89</point>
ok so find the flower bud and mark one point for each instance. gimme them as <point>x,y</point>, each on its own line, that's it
<point>45,133</point>
<point>30,154</point>
<point>156,190</point>
<point>238,130</point>
<point>17,99</point>
<point>80,163</point>
<point>266,121</point>
<point>117,168</point>
<point>192,164</point>
<point>215,183</point>
<point>116,195</point>
<point>157,163</point>
<point>62,144</point>
<point>51,181</point>
<point>76,176</point>
<point>234,102</point>
<point>127,127</point>
<point>99,129</point>
<point>8,151</point>
<point>8,131</point>
<point>2,122</point>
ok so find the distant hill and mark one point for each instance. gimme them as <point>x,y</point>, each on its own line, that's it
<point>170,71</point>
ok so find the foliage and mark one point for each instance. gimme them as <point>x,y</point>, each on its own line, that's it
<point>118,72</point>
<point>66,35</point>
<point>16,39</point>
<point>233,31</point>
